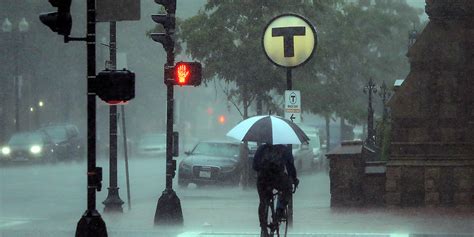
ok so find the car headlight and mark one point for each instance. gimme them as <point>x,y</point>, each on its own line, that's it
<point>6,150</point>
<point>35,149</point>
<point>227,168</point>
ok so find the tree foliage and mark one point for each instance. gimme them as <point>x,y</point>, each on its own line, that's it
<point>356,40</point>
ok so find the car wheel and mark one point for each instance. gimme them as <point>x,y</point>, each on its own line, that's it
<point>182,183</point>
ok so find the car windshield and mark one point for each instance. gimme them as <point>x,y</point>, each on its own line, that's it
<point>153,139</point>
<point>57,134</point>
<point>217,149</point>
<point>26,139</point>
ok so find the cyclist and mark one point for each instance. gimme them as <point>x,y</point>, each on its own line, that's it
<point>270,162</point>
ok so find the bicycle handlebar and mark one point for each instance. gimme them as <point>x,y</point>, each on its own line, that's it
<point>294,188</point>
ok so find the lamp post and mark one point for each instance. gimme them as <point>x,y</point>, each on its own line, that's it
<point>369,89</point>
<point>113,203</point>
<point>384,94</point>
<point>39,108</point>
<point>412,35</point>
<point>23,27</point>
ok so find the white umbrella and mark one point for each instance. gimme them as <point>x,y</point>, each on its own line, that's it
<point>268,129</point>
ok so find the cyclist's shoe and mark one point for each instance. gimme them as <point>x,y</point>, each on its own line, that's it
<point>264,232</point>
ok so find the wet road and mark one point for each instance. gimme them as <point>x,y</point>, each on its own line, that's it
<point>48,200</point>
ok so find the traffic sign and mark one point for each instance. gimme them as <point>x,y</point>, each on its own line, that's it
<point>293,105</point>
<point>289,40</point>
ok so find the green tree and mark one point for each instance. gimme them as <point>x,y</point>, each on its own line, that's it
<point>357,41</point>
<point>226,37</point>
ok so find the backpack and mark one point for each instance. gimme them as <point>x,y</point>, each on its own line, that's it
<point>272,161</point>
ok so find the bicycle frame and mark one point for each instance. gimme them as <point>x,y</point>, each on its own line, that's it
<point>273,221</point>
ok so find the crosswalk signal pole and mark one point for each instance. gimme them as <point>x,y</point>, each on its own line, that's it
<point>168,208</point>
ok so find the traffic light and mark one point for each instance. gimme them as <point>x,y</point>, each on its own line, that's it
<point>60,21</point>
<point>184,74</point>
<point>222,119</point>
<point>115,86</point>
<point>168,21</point>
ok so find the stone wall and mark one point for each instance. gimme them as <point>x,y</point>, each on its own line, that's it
<point>354,181</point>
<point>432,145</point>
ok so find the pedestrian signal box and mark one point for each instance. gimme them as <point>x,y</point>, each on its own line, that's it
<point>115,86</point>
<point>184,74</point>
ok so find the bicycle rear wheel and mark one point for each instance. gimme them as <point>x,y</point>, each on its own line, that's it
<point>272,224</point>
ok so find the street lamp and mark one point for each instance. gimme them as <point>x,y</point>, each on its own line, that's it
<point>39,107</point>
<point>23,27</point>
<point>369,89</point>
<point>384,94</point>
<point>6,26</point>
<point>412,35</point>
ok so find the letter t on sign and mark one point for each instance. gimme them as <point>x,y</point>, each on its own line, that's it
<point>288,34</point>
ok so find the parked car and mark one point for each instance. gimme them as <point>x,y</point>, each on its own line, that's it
<point>153,144</point>
<point>308,156</point>
<point>30,147</point>
<point>68,143</point>
<point>211,162</point>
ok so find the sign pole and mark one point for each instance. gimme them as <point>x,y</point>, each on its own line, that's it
<point>289,86</point>
<point>289,41</point>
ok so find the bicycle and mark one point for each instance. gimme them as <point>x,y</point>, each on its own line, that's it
<point>274,221</point>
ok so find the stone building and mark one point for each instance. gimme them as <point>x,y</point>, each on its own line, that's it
<point>432,145</point>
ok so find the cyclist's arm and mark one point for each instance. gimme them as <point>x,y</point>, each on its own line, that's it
<point>290,164</point>
<point>256,165</point>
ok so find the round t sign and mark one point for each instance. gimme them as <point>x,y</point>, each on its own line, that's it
<point>289,40</point>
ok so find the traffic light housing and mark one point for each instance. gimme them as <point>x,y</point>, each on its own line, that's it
<point>115,86</point>
<point>184,74</point>
<point>60,21</point>
<point>169,22</point>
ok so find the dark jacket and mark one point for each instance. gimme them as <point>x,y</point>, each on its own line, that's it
<point>287,157</point>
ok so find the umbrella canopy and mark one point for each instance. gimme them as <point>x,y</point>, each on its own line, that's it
<point>268,129</point>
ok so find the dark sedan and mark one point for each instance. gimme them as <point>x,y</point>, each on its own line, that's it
<point>68,144</point>
<point>211,162</point>
<point>30,147</point>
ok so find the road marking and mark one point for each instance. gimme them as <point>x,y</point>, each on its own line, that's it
<point>243,234</point>
<point>5,224</point>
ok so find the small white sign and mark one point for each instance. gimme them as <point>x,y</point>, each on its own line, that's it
<point>293,106</point>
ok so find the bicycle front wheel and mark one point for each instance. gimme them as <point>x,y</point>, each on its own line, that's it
<point>285,225</point>
<point>272,225</point>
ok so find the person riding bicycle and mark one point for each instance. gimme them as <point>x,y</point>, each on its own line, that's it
<point>271,162</point>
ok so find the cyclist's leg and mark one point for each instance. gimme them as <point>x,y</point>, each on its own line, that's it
<point>264,193</point>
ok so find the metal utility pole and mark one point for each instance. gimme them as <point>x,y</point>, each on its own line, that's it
<point>369,89</point>
<point>168,208</point>
<point>91,223</point>
<point>113,203</point>
<point>125,151</point>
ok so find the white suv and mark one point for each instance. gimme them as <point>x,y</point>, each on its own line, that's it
<point>308,156</point>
